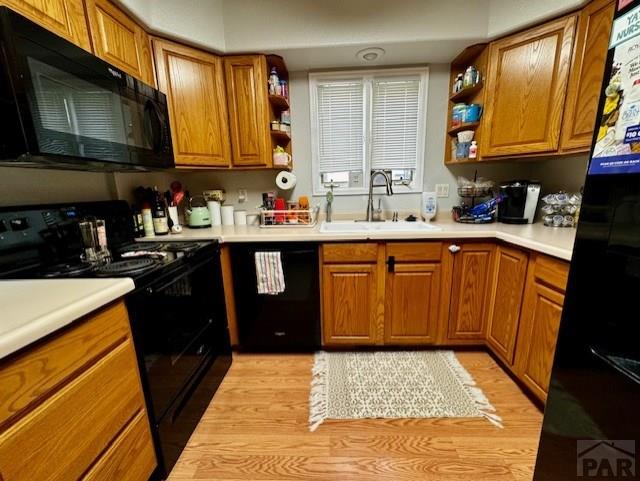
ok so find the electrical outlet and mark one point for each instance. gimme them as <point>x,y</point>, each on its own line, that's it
<point>442,190</point>
<point>242,195</point>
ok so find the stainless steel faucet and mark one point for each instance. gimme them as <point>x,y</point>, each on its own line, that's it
<point>387,184</point>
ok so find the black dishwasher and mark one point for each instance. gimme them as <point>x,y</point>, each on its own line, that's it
<point>289,321</point>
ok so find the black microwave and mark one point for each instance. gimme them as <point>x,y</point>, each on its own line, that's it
<point>62,107</point>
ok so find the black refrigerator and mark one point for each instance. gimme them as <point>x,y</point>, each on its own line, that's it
<point>591,427</point>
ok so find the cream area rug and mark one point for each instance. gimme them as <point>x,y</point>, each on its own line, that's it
<point>405,384</point>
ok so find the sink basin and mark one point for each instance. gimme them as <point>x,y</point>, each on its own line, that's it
<point>350,226</point>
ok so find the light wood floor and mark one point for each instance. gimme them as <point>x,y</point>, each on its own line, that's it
<point>256,428</point>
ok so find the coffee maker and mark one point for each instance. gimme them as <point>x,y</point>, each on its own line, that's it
<point>519,201</point>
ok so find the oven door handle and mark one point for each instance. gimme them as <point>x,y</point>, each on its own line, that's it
<point>175,277</point>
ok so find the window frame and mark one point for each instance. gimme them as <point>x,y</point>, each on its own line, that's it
<point>367,76</point>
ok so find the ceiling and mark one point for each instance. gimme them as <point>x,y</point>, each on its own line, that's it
<point>312,34</point>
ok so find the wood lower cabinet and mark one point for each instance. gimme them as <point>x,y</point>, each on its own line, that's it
<point>587,71</point>
<point>120,40</point>
<point>525,90</point>
<point>472,269</point>
<point>65,18</point>
<point>349,304</point>
<point>72,406</point>
<point>412,301</point>
<point>507,289</point>
<point>247,97</point>
<point>194,83</point>
<point>540,322</point>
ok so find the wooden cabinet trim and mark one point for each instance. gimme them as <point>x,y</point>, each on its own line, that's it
<point>32,376</point>
<point>351,252</point>
<point>563,29</point>
<point>62,437</point>
<point>197,104</point>
<point>339,307</point>
<point>131,457</point>
<point>405,314</point>
<point>131,54</point>
<point>586,75</point>
<point>65,18</point>
<point>552,272</point>
<point>472,271</point>
<point>507,291</point>
<point>415,251</point>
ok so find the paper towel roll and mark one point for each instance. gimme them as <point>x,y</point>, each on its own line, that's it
<point>286,180</point>
<point>227,214</point>
<point>214,212</point>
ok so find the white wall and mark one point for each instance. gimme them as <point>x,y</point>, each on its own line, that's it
<point>198,22</point>
<point>507,16</point>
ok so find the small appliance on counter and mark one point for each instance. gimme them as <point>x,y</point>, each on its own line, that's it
<point>519,201</point>
<point>197,213</point>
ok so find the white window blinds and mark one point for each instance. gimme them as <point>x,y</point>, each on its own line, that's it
<point>340,115</point>
<point>394,123</point>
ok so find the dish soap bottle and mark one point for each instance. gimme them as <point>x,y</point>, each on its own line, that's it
<point>429,205</point>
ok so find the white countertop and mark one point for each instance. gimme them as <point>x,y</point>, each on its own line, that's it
<point>557,242</point>
<point>31,309</point>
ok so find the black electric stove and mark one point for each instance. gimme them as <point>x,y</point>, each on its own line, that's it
<point>177,310</point>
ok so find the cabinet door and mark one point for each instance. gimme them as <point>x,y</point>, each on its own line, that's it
<point>525,90</point>
<point>62,17</point>
<point>349,303</point>
<point>470,288</point>
<point>119,40</point>
<point>194,83</point>
<point>247,98</point>
<point>587,71</point>
<point>412,298</point>
<point>540,321</point>
<point>507,290</point>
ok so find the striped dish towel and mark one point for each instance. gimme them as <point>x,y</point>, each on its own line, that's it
<point>269,275</point>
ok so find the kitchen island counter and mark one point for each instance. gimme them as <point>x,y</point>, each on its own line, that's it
<point>32,309</point>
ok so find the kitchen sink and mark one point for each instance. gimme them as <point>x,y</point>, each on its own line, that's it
<point>351,226</point>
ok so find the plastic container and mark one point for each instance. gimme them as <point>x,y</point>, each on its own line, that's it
<point>429,206</point>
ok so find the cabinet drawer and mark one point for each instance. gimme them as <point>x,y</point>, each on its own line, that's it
<point>415,251</point>
<point>130,457</point>
<point>552,272</point>
<point>62,437</point>
<point>350,252</point>
<point>34,375</point>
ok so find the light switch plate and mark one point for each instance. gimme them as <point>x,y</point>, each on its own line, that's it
<point>442,190</point>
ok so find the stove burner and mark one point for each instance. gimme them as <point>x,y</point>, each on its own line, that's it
<point>132,266</point>
<point>180,246</point>
<point>66,270</point>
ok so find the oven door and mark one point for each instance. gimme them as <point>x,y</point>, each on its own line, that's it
<point>179,324</point>
<point>75,108</point>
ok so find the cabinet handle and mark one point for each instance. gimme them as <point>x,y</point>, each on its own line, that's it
<point>454,248</point>
<point>391,264</point>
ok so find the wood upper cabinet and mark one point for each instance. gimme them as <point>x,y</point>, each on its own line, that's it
<point>194,83</point>
<point>507,289</point>
<point>587,70</point>
<point>119,40</point>
<point>540,323</point>
<point>472,268</point>
<point>525,90</point>
<point>349,303</point>
<point>63,17</point>
<point>247,97</point>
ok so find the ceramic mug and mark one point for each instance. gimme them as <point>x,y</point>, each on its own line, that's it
<point>281,159</point>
